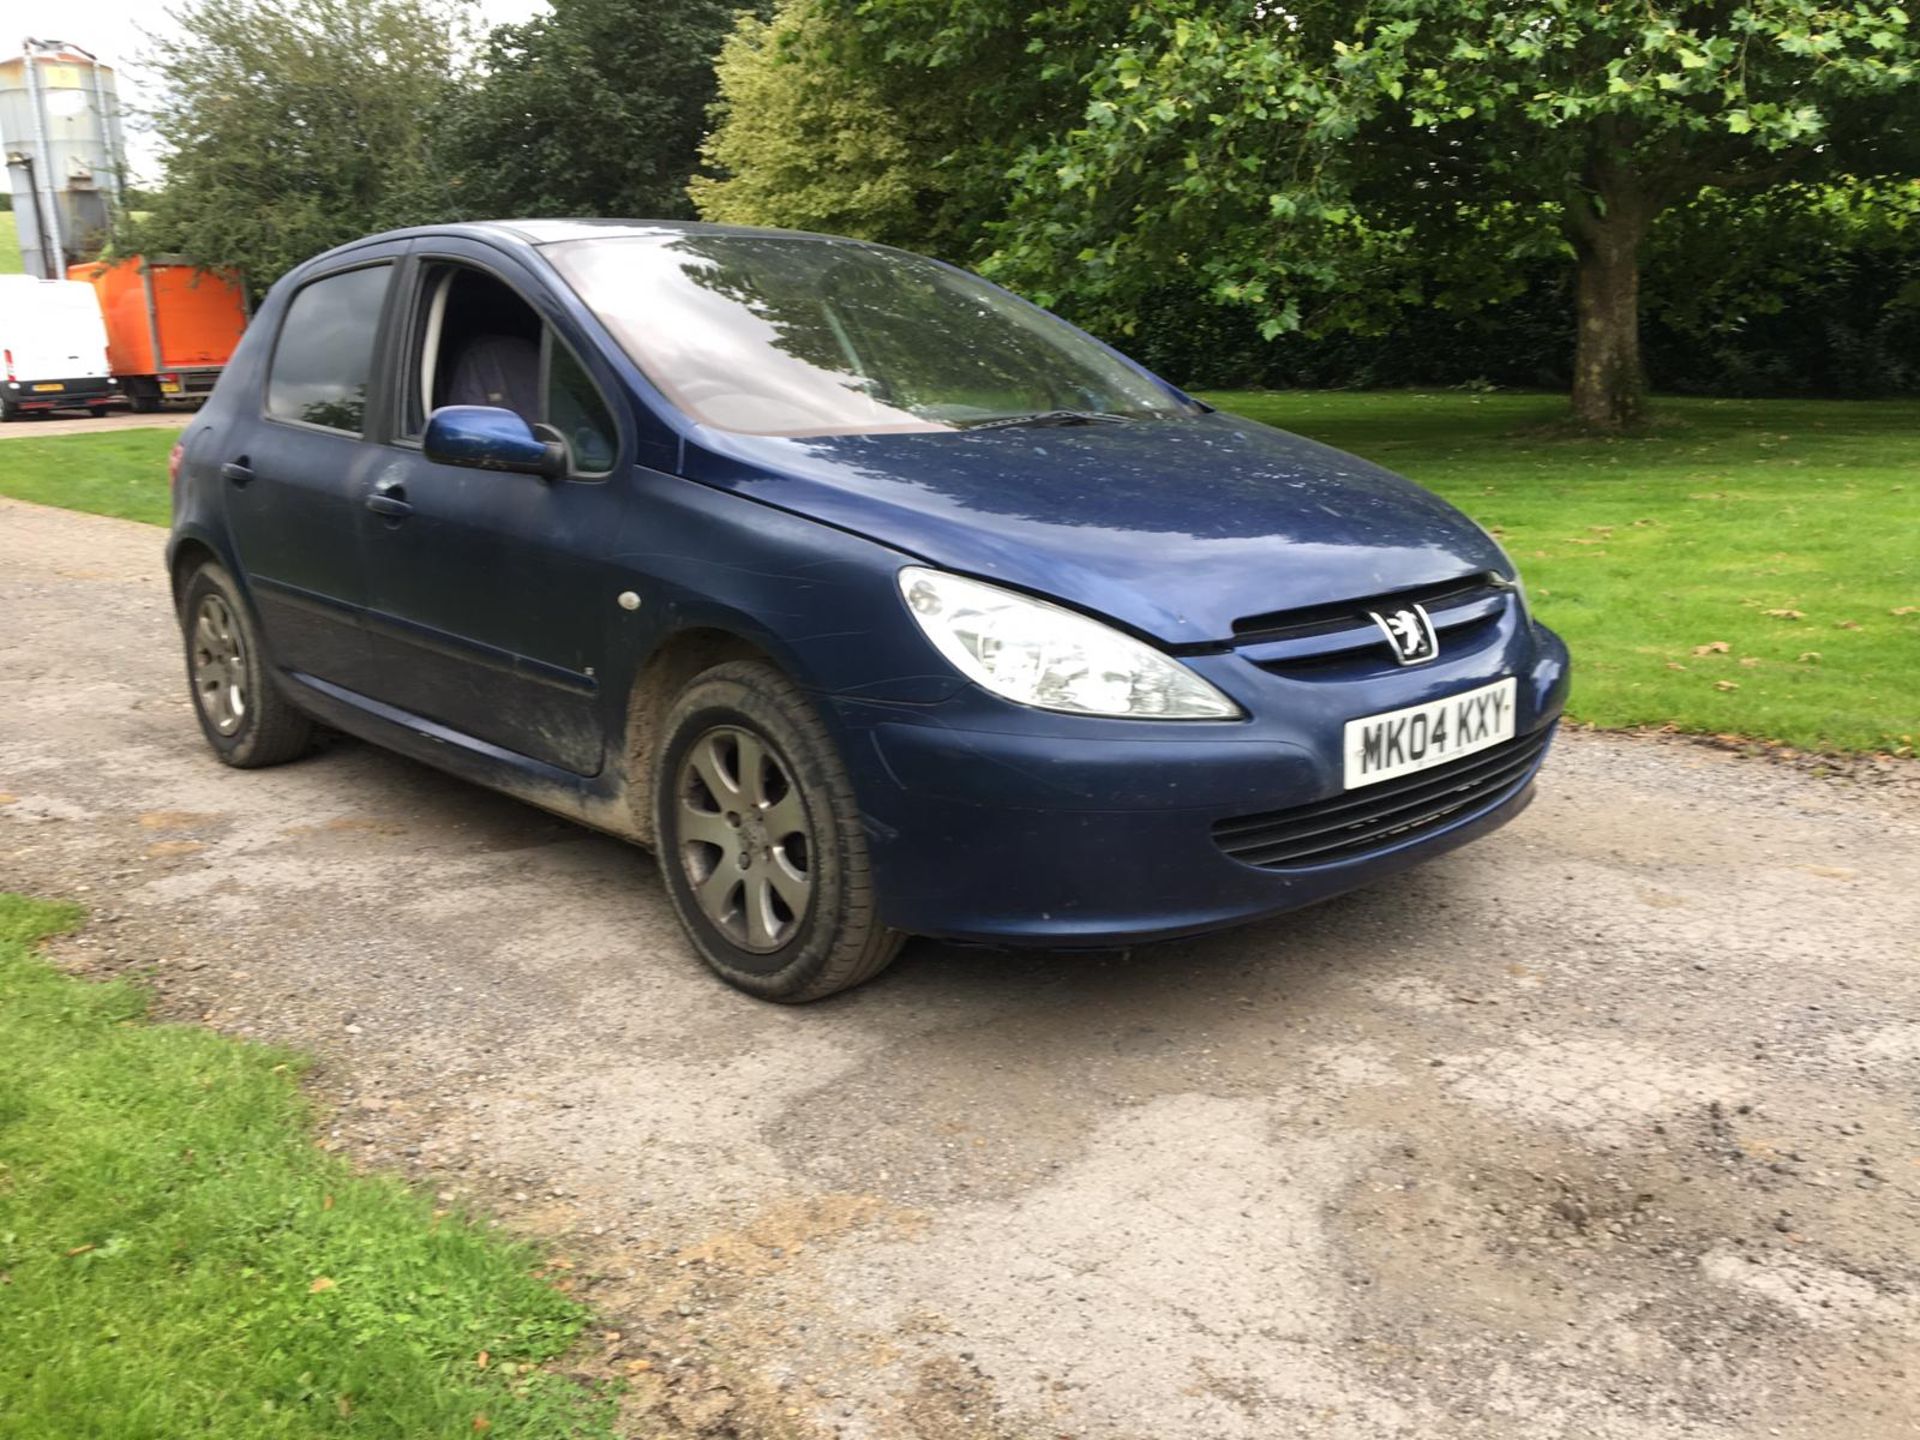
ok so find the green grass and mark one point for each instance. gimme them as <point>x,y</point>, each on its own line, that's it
<point>117,472</point>
<point>1638,550</point>
<point>177,1258</point>
<point>9,244</point>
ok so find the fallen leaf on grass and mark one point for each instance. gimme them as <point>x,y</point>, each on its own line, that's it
<point>323,1283</point>
<point>326,1202</point>
<point>1905,610</point>
<point>482,1359</point>
<point>1749,660</point>
<point>1712,647</point>
<point>1846,624</point>
<point>1726,684</point>
<point>1786,614</point>
<point>1675,665</point>
<point>481,1422</point>
<point>1809,657</point>
<point>78,1250</point>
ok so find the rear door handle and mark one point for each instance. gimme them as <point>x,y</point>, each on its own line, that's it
<point>390,500</point>
<point>238,471</point>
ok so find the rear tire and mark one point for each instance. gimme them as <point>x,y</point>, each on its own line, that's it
<point>247,721</point>
<point>143,404</point>
<point>760,842</point>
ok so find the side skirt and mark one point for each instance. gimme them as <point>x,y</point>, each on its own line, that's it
<point>599,801</point>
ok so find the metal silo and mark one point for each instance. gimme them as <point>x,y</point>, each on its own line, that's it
<point>60,137</point>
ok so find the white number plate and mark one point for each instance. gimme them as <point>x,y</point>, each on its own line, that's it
<point>1399,742</point>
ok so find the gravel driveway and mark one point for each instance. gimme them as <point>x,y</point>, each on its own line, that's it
<point>1603,1127</point>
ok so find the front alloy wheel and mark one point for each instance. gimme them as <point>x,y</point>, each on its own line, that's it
<point>760,841</point>
<point>745,841</point>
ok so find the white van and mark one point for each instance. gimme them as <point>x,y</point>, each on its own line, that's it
<point>53,346</point>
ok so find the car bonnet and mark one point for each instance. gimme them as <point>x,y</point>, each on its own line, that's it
<point>1173,528</point>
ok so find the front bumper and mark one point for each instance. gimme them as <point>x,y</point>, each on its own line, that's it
<point>995,824</point>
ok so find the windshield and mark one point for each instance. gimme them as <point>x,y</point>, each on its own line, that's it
<point>782,335</point>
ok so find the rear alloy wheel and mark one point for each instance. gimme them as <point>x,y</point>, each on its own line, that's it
<point>759,839</point>
<point>245,718</point>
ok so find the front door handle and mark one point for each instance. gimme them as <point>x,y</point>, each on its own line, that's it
<point>238,471</point>
<point>390,499</point>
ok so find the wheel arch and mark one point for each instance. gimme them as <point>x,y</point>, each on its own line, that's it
<point>186,555</point>
<point>662,676</point>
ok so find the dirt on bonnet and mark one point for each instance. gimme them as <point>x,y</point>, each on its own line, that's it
<point>1605,1127</point>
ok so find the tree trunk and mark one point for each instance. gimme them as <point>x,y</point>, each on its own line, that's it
<point>1607,224</point>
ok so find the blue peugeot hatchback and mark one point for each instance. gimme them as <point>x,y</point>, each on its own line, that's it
<point>875,600</point>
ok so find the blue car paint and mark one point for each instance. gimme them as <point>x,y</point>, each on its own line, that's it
<point>986,820</point>
<point>485,439</point>
<point>1174,529</point>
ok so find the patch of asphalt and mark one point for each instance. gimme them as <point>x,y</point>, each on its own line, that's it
<point>1603,1127</point>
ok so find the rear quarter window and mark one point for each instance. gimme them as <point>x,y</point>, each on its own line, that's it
<point>323,358</point>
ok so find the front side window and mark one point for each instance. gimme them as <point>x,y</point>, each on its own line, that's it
<point>324,356</point>
<point>787,335</point>
<point>478,343</point>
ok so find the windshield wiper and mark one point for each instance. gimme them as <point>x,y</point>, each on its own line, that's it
<point>1047,417</point>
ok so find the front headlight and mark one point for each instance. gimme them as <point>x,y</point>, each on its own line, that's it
<point>1047,656</point>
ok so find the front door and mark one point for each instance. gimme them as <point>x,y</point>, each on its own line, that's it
<point>492,594</point>
<point>295,473</point>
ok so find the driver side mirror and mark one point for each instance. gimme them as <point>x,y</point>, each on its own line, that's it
<point>485,437</point>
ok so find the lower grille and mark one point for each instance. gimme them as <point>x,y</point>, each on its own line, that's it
<point>1357,821</point>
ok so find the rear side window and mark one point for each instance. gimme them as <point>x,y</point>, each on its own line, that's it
<point>324,357</point>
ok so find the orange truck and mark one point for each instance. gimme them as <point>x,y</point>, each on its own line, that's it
<point>170,327</point>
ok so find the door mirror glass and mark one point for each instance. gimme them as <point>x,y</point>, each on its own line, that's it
<point>486,437</point>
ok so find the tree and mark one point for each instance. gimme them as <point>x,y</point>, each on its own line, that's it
<point>1257,149</point>
<point>293,127</point>
<point>801,142</point>
<point>595,109</point>
<point>810,131</point>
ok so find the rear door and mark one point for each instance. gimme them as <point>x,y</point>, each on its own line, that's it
<point>493,594</point>
<point>297,472</point>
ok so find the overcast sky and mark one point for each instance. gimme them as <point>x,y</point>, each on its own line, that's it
<point>117,31</point>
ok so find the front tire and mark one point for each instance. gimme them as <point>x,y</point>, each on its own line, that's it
<point>760,842</point>
<point>247,721</point>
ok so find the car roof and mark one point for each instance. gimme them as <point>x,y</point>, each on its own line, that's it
<point>550,232</point>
